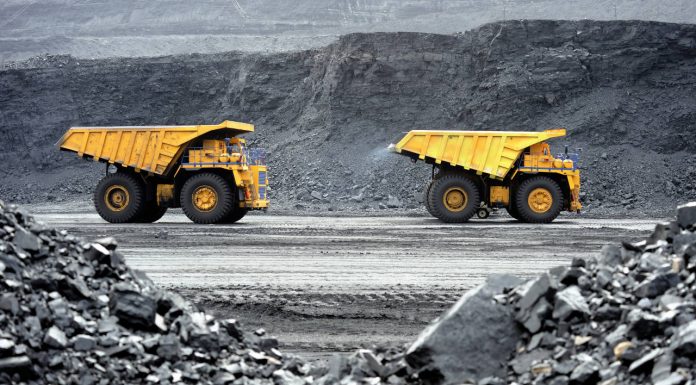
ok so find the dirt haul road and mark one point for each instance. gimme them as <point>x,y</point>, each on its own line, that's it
<point>333,284</point>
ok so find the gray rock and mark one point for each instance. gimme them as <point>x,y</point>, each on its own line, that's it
<point>285,377</point>
<point>686,215</point>
<point>9,303</point>
<point>560,380</point>
<point>83,342</point>
<point>682,241</point>
<point>535,290</point>
<point>472,340</point>
<point>223,378</point>
<point>617,335</point>
<point>109,243</point>
<point>651,261</point>
<point>55,338</point>
<point>684,342</point>
<point>663,231</point>
<point>11,262</point>
<point>672,379</point>
<point>643,324</point>
<point>662,368</point>
<point>570,302</point>
<point>6,345</point>
<point>133,309</point>
<point>611,255</point>
<point>26,240</point>
<point>585,373</point>
<point>533,319</point>
<point>316,195</point>
<point>645,362</point>
<point>13,363</point>
<point>372,362</point>
<point>656,285</point>
<point>393,202</point>
<point>169,347</point>
<point>523,362</point>
<point>533,307</point>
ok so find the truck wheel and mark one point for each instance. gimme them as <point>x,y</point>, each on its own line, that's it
<point>235,215</point>
<point>513,211</point>
<point>538,199</point>
<point>206,198</point>
<point>118,198</point>
<point>483,213</point>
<point>426,198</point>
<point>454,198</point>
<point>151,213</point>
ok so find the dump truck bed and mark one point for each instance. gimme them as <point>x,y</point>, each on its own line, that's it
<point>486,152</point>
<point>153,149</point>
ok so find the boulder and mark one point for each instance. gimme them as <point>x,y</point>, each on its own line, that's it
<point>471,341</point>
<point>133,309</point>
<point>568,303</point>
<point>686,215</point>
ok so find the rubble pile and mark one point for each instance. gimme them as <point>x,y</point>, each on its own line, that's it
<point>72,312</point>
<point>627,317</point>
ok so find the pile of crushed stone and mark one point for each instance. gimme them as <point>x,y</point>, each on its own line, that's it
<point>627,317</point>
<point>72,312</point>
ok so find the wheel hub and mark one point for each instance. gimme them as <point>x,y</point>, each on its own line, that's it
<point>116,198</point>
<point>455,199</point>
<point>204,198</point>
<point>540,200</point>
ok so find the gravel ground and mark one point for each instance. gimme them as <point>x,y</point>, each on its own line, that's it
<point>331,284</point>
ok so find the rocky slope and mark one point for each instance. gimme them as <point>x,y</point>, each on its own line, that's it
<point>129,28</point>
<point>625,91</point>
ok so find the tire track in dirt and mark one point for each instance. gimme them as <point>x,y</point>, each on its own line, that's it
<point>324,284</point>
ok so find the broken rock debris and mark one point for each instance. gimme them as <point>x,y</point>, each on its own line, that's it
<point>625,317</point>
<point>73,312</point>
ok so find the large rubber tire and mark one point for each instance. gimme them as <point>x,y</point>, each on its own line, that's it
<point>512,210</point>
<point>218,211</point>
<point>548,209</point>
<point>151,213</point>
<point>119,198</point>
<point>235,215</point>
<point>426,193</point>
<point>446,185</point>
<point>426,198</point>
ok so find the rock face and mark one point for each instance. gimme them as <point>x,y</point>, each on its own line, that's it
<point>625,90</point>
<point>471,341</point>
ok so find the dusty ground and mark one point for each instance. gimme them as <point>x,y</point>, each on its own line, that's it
<point>326,284</point>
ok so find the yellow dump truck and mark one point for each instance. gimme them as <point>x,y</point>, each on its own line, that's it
<point>206,170</point>
<point>484,170</point>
